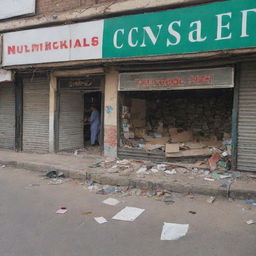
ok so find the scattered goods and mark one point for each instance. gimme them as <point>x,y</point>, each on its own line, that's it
<point>173,231</point>
<point>90,182</point>
<point>170,172</point>
<point>250,222</point>
<point>111,201</point>
<point>86,213</point>
<point>62,210</point>
<point>192,212</point>
<point>211,200</point>
<point>251,202</point>
<point>209,179</point>
<point>128,214</point>
<point>54,174</point>
<point>224,185</point>
<point>168,200</point>
<point>100,220</point>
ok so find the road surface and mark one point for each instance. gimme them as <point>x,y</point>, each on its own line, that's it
<point>29,225</point>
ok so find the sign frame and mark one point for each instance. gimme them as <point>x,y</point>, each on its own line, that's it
<point>201,79</point>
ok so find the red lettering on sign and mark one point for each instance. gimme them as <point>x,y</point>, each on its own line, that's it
<point>203,79</point>
<point>11,50</point>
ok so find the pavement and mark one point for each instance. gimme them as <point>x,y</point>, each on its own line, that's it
<point>30,226</point>
<point>80,167</point>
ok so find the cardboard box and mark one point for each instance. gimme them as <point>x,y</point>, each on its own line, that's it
<point>191,152</point>
<point>138,113</point>
<point>185,136</point>
<point>173,131</point>
<point>129,135</point>
<point>154,141</point>
<point>139,132</point>
<point>139,123</point>
<point>172,148</point>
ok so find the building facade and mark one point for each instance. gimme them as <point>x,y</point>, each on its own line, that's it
<point>179,71</point>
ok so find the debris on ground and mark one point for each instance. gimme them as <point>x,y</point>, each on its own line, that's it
<point>100,220</point>
<point>111,201</point>
<point>192,212</point>
<point>128,214</point>
<point>251,202</point>
<point>211,200</point>
<point>250,222</point>
<point>86,213</point>
<point>2,165</point>
<point>62,210</point>
<point>173,231</point>
<point>54,174</point>
<point>168,200</point>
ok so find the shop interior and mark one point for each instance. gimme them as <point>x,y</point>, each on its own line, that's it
<point>90,99</point>
<point>176,123</point>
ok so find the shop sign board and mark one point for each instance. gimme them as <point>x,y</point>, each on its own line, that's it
<point>79,41</point>
<point>223,25</point>
<point>177,80</point>
<point>5,76</point>
<point>13,8</point>
<point>216,26</point>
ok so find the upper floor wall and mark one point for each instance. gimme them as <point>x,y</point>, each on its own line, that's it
<point>50,12</point>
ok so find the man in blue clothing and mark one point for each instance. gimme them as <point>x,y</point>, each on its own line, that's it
<point>95,125</point>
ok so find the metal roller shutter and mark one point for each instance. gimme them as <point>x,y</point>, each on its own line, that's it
<point>246,159</point>
<point>36,115</point>
<point>71,128</point>
<point>7,116</point>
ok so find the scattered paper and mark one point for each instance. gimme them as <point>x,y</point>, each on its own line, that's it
<point>209,179</point>
<point>211,200</point>
<point>170,172</point>
<point>111,201</point>
<point>173,231</point>
<point>62,210</point>
<point>249,222</point>
<point>128,214</point>
<point>100,220</point>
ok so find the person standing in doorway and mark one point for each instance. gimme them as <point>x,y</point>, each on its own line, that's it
<point>95,125</point>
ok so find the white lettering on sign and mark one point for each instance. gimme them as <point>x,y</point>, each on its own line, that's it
<point>71,42</point>
<point>13,8</point>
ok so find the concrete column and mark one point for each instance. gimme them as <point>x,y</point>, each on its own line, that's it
<point>52,109</point>
<point>110,115</point>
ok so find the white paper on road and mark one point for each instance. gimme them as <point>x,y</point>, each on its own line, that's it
<point>100,220</point>
<point>111,201</point>
<point>173,231</point>
<point>128,214</point>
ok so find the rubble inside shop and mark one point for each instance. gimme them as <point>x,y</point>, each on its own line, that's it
<point>179,126</point>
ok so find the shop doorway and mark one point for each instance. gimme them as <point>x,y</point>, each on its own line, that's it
<point>76,97</point>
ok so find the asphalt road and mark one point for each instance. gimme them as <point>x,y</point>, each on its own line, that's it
<point>29,225</point>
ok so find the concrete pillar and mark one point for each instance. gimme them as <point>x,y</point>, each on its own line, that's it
<point>52,109</point>
<point>110,115</point>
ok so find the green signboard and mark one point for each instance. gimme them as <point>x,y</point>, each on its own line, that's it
<point>217,26</point>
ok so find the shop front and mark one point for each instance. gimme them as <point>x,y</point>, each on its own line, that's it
<point>171,84</point>
<point>75,98</point>
<point>176,114</point>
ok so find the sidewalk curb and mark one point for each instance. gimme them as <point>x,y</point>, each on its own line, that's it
<point>135,182</point>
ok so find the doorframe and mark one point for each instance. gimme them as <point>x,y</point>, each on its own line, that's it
<point>55,101</point>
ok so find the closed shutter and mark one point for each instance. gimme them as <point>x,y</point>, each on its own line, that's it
<point>36,115</point>
<point>246,160</point>
<point>71,128</point>
<point>7,116</point>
